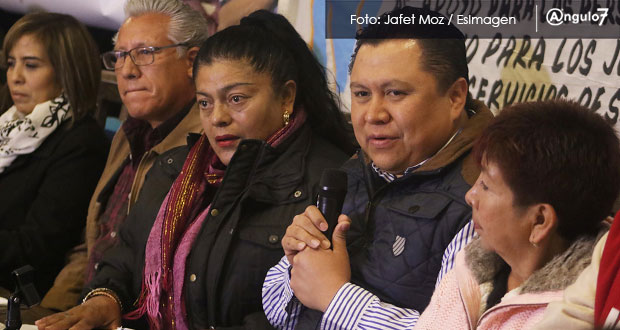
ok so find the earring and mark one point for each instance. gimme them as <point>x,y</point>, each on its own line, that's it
<point>534,244</point>
<point>286,116</point>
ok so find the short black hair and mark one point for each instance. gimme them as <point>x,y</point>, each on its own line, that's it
<point>443,45</point>
<point>556,152</point>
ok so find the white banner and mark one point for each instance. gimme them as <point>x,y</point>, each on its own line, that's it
<point>508,70</point>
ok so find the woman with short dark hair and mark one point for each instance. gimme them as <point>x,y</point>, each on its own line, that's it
<point>550,174</point>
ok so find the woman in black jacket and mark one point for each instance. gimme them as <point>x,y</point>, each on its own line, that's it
<point>271,126</point>
<point>51,149</point>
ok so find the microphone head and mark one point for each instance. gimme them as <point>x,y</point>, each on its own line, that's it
<point>333,178</point>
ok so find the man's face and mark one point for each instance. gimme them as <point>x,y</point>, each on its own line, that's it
<point>157,91</point>
<point>399,116</point>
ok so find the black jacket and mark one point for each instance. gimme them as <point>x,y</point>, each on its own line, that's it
<point>43,200</point>
<point>263,189</point>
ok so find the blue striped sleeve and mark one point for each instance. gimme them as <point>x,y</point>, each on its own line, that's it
<point>352,307</point>
<point>356,308</point>
<point>279,303</point>
<point>462,238</point>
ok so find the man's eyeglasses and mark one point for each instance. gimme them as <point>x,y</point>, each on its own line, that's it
<point>115,59</point>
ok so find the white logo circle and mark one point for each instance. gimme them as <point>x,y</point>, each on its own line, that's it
<point>554,16</point>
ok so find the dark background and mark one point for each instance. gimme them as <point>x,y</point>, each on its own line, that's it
<point>103,37</point>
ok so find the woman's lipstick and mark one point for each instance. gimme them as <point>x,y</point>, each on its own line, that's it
<point>226,140</point>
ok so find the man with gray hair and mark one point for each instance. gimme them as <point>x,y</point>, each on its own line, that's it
<point>152,59</point>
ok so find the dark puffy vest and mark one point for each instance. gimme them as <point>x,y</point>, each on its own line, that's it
<point>400,231</point>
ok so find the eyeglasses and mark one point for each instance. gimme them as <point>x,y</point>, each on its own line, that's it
<point>115,59</point>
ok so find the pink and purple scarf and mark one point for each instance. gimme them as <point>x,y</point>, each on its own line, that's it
<point>177,223</point>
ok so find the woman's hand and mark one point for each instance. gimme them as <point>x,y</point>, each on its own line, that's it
<point>306,230</point>
<point>97,312</point>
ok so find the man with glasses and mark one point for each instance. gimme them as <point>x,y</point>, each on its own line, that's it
<point>115,59</point>
<point>152,59</point>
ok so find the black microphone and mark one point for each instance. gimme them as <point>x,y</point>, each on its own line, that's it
<point>332,189</point>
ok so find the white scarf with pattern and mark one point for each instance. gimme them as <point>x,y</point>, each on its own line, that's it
<point>21,135</point>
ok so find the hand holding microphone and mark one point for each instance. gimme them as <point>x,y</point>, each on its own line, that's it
<point>333,189</point>
<point>319,273</point>
<point>314,226</point>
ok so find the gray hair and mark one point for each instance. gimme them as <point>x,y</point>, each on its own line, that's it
<point>186,24</point>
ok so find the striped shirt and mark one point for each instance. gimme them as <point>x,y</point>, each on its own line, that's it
<point>353,307</point>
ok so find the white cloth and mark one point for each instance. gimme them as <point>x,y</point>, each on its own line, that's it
<point>21,135</point>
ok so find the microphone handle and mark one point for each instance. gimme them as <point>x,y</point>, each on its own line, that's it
<point>331,208</point>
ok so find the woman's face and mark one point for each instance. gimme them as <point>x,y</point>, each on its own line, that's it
<point>502,226</point>
<point>236,103</point>
<point>30,74</point>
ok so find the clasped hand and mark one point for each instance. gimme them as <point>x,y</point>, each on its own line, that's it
<point>318,272</point>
